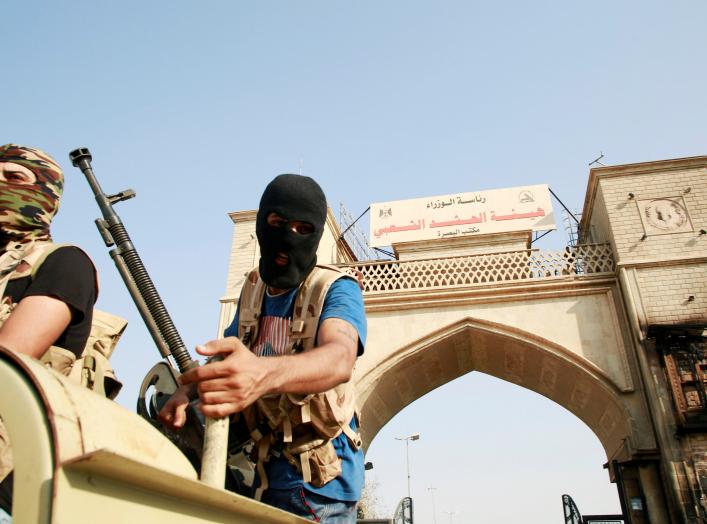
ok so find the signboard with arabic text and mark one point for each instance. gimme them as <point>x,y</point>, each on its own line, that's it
<point>526,208</point>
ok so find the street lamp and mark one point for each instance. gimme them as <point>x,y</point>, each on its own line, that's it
<point>451,516</point>
<point>407,440</point>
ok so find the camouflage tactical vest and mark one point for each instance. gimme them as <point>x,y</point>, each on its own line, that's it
<point>304,424</point>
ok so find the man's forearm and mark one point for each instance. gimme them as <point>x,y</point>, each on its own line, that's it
<point>232,384</point>
<point>313,371</point>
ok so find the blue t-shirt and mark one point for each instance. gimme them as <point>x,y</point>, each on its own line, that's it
<point>344,301</point>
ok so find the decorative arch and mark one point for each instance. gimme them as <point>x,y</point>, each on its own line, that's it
<point>504,352</point>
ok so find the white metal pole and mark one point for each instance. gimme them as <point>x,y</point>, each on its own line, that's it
<point>407,440</point>
<point>407,457</point>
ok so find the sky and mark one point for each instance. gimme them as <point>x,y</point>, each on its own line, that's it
<point>197,105</point>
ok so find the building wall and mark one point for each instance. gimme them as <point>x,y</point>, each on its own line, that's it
<point>654,214</point>
<point>670,264</point>
<point>463,246</point>
<point>600,228</point>
<point>666,293</point>
<point>628,223</point>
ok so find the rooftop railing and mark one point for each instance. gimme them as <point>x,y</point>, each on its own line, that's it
<point>530,264</point>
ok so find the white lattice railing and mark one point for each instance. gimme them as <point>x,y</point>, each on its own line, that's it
<point>481,269</point>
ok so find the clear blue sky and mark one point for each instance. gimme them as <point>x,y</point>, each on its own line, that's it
<point>196,105</point>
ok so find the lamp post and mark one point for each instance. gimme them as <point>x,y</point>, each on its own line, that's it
<point>434,512</point>
<point>407,440</point>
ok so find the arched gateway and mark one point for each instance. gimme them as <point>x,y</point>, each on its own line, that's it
<point>611,329</point>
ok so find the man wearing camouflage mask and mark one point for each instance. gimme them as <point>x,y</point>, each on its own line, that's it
<point>31,183</point>
<point>311,462</point>
<point>47,292</point>
<point>60,289</point>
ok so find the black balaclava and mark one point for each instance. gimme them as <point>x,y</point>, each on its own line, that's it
<point>293,197</point>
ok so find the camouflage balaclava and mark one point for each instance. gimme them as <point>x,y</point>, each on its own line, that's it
<point>26,210</point>
<point>293,197</point>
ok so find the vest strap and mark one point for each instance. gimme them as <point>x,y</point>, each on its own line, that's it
<point>263,448</point>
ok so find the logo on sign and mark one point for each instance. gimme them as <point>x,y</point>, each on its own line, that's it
<point>385,212</point>
<point>525,197</point>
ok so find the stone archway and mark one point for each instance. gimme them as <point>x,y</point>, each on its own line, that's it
<point>506,353</point>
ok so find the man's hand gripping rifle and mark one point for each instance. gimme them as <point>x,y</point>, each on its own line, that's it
<point>162,378</point>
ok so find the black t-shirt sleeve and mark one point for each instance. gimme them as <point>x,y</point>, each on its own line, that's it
<point>69,275</point>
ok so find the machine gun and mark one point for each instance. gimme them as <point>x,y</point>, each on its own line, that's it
<point>203,441</point>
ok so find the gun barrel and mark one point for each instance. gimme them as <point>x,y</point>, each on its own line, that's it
<point>125,249</point>
<point>153,311</point>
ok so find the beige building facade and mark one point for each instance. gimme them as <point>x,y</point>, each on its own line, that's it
<point>612,329</point>
<point>654,215</point>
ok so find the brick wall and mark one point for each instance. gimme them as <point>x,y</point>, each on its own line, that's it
<point>671,266</point>
<point>600,231</point>
<point>665,292</point>
<point>627,226</point>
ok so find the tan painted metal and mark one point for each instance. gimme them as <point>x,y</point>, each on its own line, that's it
<point>22,411</point>
<point>80,458</point>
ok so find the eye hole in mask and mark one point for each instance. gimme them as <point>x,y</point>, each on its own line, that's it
<point>16,174</point>
<point>296,226</point>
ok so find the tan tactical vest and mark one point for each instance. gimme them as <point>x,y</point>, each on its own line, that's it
<point>305,424</point>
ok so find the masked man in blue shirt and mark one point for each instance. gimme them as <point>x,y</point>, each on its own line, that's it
<point>288,361</point>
